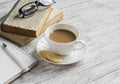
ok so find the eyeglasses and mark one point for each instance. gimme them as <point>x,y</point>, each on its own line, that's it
<point>30,8</point>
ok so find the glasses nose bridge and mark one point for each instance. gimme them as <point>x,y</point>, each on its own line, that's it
<point>39,3</point>
<point>45,3</point>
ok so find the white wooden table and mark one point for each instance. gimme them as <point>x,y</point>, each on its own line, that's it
<point>99,23</point>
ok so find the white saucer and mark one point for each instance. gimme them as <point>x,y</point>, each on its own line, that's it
<point>74,57</point>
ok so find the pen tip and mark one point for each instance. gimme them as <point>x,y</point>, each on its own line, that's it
<point>4,45</point>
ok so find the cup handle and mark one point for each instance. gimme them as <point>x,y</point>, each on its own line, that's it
<point>81,44</point>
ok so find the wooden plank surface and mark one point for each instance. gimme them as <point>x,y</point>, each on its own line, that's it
<point>99,22</point>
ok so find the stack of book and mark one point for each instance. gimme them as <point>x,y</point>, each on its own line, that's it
<point>24,30</point>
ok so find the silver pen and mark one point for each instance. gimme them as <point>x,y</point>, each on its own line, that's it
<point>15,58</point>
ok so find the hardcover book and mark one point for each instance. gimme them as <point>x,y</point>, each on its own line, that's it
<point>55,16</point>
<point>31,26</point>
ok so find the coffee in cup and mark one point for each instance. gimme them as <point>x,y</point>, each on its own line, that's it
<point>63,39</point>
<point>62,36</point>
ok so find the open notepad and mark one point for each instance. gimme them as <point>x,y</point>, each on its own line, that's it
<point>9,69</point>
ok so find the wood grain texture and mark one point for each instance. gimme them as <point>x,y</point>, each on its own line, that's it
<point>99,22</point>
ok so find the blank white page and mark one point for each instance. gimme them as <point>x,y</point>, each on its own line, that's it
<point>8,68</point>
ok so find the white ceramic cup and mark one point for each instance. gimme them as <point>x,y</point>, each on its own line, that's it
<point>64,48</point>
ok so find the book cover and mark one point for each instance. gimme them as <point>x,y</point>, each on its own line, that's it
<point>30,26</point>
<point>55,16</point>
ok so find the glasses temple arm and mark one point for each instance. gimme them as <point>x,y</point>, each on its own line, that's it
<point>40,4</point>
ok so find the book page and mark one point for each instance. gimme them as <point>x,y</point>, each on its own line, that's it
<point>8,68</point>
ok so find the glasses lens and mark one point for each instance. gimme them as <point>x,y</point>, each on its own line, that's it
<point>46,2</point>
<point>29,9</point>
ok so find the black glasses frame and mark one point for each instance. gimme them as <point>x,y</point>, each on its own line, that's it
<point>32,9</point>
